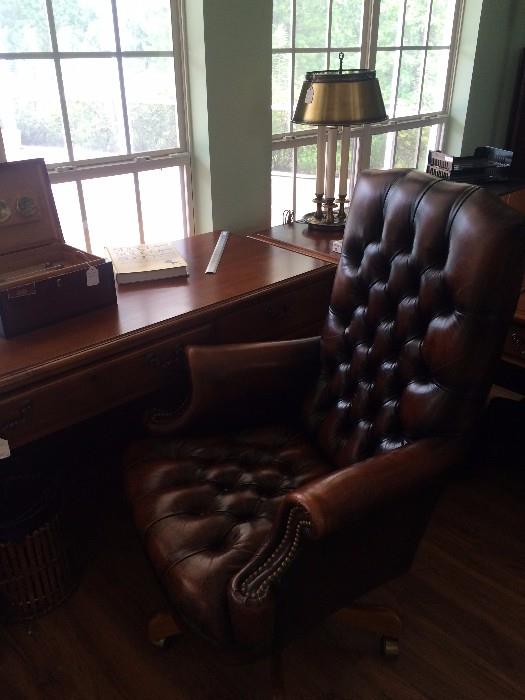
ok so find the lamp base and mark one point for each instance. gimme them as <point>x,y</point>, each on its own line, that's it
<point>321,224</point>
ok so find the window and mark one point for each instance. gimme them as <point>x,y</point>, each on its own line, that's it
<point>410,43</point>
<point>96,88</point>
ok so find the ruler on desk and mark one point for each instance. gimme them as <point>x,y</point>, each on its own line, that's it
<point>217,253</point>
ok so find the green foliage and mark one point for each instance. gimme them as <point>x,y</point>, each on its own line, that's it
<point>92,127</point>
<point>24,27</point>
<point>282,160</point>
<point>38,129</point>
<point>153,126</point>
<point>406,148</point>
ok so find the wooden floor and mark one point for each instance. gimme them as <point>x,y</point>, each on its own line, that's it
<point>463,607</point>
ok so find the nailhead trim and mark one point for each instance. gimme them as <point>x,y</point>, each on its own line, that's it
<point>280,558</point>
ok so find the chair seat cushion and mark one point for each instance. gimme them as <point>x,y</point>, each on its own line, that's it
<point>205,505</point>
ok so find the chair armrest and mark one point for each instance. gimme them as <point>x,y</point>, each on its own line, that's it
<point>333,501</point>
<point>242,381</point>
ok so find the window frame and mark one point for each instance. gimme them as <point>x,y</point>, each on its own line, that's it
<point>131,162</point>
<point>361,136</point>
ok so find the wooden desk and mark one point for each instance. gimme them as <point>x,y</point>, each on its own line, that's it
<point>62,374</point>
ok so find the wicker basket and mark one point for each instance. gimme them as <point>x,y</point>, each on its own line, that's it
<point>35,572</point>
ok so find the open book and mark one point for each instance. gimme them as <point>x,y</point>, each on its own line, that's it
<point>140,263</point>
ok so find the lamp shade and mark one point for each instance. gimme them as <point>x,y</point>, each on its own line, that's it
<point>340,98</point>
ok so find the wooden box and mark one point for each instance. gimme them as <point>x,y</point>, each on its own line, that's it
<point>42,280</point>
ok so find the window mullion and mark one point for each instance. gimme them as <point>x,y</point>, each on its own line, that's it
<point>123,100</point>
<point>373,32</point>
<point>121,76</point>
<point>394,154</point>
<point>60,81</point>
<point>292,82</point>
<point>83,214</point>
<point>329,34</point>
<point>454,51</point>
<point>368,9</point>
<point>187,209</point>
<point>181,89</point>
<point>400,56</point>
<point>425,59</point>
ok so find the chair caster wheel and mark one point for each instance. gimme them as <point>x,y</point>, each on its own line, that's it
<point>161,643</point>
<point>389,647</point>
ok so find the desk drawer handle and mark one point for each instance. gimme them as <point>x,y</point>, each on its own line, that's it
<point>165,360</point>
<point>21,416</point>
<point>519,341</point>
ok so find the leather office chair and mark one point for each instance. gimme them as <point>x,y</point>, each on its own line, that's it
<point>301,474</point>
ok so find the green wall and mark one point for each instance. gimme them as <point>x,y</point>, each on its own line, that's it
<point>229,65</point>
<point>493,35</point>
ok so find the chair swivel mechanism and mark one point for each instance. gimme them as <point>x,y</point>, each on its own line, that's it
<point>301,474</point>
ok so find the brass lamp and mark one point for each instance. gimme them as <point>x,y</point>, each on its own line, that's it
<point>329,99</point>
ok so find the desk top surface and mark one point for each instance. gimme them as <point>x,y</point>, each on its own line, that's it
<point>149,310</point>
<point>300,238</point>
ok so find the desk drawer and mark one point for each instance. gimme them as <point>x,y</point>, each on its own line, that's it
<point>72,398</point>
<point>514,348</point>
<point>297,313</point>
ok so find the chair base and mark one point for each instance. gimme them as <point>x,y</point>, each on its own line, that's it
<point>377,620</point>
<point>367,618</point>
<point>161,627</point>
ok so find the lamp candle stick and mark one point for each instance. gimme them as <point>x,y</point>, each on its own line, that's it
<point>345,154</point>
<point>329,188</point>
<point>321,147</point>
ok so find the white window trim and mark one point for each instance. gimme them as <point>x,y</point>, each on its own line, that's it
<point>362,135</point>
<point>131,162</point>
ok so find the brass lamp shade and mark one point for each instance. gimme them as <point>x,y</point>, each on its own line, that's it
<point>341,98</point>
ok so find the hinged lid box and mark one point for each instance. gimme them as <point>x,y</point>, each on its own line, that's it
<point>42,280</point>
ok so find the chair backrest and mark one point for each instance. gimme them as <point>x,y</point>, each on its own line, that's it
<point>425,288</point>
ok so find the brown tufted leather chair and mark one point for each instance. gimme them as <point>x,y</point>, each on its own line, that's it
<point>302,474</point>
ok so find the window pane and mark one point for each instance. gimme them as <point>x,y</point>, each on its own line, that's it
<point>435,80</point>
<point>281,84</point>
<point>30,111</point>
<point>23,26</point>
<point>282,184</point>
<point>416,22</point>
<point>311,23</point>
<point>94,107</point>
<point>111,211</point>
<point>162,208</point>
<point>423,149</point>
<point>387,65</point>
<point>151,103</point>
<point>84,25</point>
<point>409,83</point>
<point>305,180</point>
<point>66,200</point>
<point>429,142</point>
<point>305,62</point>
<point>407,144</point>
<point>390,23</point>
<point>282,24</point>
<point>441,22</point>
<point>145,26</point>
<point>347,23</point>
<point>378,153</point>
